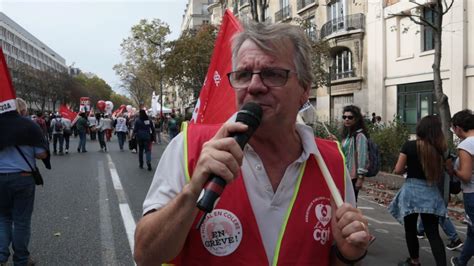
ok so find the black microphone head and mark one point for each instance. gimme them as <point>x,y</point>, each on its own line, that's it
<point>250,114</point>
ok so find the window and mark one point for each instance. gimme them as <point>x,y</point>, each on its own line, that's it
<point>415,100</point>
<point>342,66</point>
<point>428,32</point>
<point>336,15</point>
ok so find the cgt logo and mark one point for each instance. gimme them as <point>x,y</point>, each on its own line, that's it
<point>319,213</point>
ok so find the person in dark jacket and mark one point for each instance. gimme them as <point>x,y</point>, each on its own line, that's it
<point>144,132</point>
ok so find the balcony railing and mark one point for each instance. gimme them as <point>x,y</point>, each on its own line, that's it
<point>300,4</point>
<point>347,23</point>
<point>283,13</point>
<point>342,75</point>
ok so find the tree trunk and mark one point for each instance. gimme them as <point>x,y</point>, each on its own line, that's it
<point>263,4</point>
<point>441,98</point>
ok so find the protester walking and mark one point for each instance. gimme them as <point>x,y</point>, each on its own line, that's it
<point>173,127</point>
<point>67,132</point>
<point>57,125</point>
<point>463,126</point>
<point>424,161</point>
<point>92,125</point>
<point>121,130</point>
<point>81,126</point>
<point>22,141</point>
<point>143,132</point>
<point>107,126</point>
<point>101,132</point>
<point>354,145</point>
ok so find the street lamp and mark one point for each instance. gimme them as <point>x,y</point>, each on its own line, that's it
<point>159,44</point>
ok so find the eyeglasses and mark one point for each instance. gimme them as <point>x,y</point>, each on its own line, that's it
<point>350,117</point>
<point>271,77</point>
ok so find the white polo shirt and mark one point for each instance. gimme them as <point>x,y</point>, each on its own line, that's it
<point>268,207</point>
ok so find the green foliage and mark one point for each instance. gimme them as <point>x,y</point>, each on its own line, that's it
<point>142,52</point>
<point>323,130</point>
<point>188,59</point>
<point>390,139</point>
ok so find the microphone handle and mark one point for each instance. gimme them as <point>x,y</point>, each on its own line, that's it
<point>211,192</point>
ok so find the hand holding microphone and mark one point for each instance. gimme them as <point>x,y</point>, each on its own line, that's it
<point>250,115</point>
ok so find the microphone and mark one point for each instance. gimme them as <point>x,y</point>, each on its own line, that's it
<point>250,114</point>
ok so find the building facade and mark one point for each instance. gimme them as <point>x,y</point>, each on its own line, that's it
<point>402,53</point>
<point>19,46</point>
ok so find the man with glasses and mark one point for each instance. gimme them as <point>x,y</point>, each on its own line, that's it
<point>276,207</point>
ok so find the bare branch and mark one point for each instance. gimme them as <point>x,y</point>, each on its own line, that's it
<point>447,7</point>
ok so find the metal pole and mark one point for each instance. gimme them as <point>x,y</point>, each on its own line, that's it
<point>161,86</point>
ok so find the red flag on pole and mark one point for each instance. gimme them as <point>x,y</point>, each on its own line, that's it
<point>66,113</point>
<point>7,93</point>
<point>216,101</point>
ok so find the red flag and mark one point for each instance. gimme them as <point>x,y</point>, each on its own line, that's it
<point>216,101</point>
<point>7,92</point>
<point>66,113</point>
<point>119,111</point>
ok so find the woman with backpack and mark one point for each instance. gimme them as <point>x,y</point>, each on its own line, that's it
<point>354,145</point>
<point>463,127</point>
<point>144,132</point>
<point>424,161</point>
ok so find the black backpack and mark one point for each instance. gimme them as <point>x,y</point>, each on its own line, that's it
<point>374,158</point>
<point>58,125</point>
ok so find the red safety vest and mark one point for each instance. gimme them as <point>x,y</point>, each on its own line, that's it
<point>230,234</point>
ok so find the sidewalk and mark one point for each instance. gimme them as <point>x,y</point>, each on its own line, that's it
<point>384,186</point>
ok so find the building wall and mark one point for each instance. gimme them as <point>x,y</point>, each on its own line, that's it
<point>397,55</point>
<point>20,46</point>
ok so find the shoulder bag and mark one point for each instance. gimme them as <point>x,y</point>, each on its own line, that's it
<point>35,172</point>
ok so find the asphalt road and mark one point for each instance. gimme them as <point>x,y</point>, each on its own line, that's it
<point>86,212</point>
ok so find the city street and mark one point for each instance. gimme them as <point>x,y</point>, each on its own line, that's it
<point>86,212</point>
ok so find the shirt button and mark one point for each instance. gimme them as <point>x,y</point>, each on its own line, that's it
<point>258,167</point>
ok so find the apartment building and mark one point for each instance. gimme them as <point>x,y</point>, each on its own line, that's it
<point>400,79</point>
<point>339,22</point>
<point>20,46</point>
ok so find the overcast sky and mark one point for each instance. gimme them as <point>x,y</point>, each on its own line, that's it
<point>88,33</point>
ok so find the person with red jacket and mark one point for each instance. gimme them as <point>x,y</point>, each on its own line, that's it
<point>276,208</point>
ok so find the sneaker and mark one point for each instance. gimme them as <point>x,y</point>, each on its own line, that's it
<point>66,151</point>
<point>420,235</point>
<point>149,166</point>
<point>408,262</point>
<point>454,261</point>
<point>455,244</point>
<point>31,261</point>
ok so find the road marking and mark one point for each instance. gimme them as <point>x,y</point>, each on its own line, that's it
<point>106,232</point>
<point>364,208</point>
<point>125,211</point>
<point>381,222</point>
<point>383,231</point>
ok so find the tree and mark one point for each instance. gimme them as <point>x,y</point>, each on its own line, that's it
<point>141,71</point>
<point>439,9</point>
<point>188,59</point>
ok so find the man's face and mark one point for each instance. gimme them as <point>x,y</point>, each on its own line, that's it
<point>279,104</point>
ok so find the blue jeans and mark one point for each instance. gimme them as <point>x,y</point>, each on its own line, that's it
<point>121,138</point>
<point>468,249</point>
<point>17,195</point>
<point>144,146</point>
<point>56,138</point>
<point>445,224</point>
<point>82,141</point>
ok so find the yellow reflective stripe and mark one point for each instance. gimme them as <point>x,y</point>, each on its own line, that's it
<point>184,129</point>
<point>287,215</point>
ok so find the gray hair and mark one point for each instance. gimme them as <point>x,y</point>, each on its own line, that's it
<point>274,40</point>
<point>21,106</point>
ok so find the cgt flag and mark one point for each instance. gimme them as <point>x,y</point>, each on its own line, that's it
<point>67,113</point>
<point>216,101</point>
<point>7,93</point>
